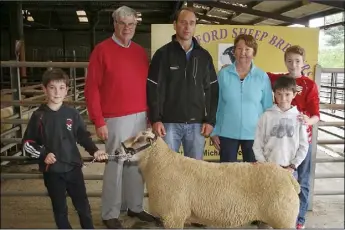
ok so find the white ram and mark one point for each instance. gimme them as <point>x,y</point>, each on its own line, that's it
<point>214,194</point>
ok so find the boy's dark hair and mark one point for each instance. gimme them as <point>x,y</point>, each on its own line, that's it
<point>285,82</point>
<point>190,9</point>
<point>54,74</point>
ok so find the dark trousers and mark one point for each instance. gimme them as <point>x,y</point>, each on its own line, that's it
<point>229,148</point>
<point>73,182</point>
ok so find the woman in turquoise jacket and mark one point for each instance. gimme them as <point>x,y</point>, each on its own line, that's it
<point>244,94</point>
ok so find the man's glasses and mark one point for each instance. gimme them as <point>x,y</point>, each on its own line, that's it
<point>129,25</point>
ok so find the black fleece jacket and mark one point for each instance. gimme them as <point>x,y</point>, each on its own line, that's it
<point>57,132</point>
<point>181,90</point>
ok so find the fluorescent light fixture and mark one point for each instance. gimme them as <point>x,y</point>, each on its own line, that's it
<point>139,19</point>
<point>30,19</point>
<point>138,14</point>
<point>214,16</point>
<point>81,13</point>
<point>296,25</point>
<point>83,19</point>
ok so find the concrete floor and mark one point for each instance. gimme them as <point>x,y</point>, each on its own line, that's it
<point>35,212</point>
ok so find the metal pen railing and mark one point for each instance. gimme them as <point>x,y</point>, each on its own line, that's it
<point>315,140</point>
<point>14,65</point>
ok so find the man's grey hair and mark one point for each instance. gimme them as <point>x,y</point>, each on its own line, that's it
<point>124,11</point>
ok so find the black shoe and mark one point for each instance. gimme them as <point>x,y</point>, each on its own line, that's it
<point>113,223</point>
<point>143,216</point>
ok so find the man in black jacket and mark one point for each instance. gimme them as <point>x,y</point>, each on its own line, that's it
<point>182,89</point>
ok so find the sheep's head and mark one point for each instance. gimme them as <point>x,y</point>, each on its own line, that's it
<point>133,147</point>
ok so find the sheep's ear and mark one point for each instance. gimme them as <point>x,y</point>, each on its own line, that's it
<point>140,137</point>
<point>140,140</point>
<point>129,141</point>
<point>137,138</point>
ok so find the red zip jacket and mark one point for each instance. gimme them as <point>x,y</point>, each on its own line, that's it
<point>116,81</point>
<point>307,99</point>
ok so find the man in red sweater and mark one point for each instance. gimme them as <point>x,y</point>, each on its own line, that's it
<point>115,93</point>
<point>307,102</point>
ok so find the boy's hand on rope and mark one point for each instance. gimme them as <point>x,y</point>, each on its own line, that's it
<point>100,155</point>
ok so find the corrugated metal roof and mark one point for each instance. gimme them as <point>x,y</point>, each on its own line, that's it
<point>268,12</point>
<point>62,14</point>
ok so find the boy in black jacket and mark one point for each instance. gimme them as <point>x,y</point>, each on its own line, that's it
<point>52,136</point>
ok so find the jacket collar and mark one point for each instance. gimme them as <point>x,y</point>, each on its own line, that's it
<point>252,67</point>
<point>196,45</point>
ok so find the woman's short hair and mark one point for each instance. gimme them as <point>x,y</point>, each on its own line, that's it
<point>249,40</point>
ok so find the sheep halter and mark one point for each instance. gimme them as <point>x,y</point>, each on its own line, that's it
<point>132,151</point>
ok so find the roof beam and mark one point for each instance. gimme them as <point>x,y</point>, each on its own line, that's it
<point>253,12</point>
<point>221,21</point>
<point>317,15</point>
<point>98,4</point>
<point>84,27</point>
<point>326,27</point>
<point>249,5</point>
<point>293,6</point>
<point>335,4</point>
<point>107,9</point>
<point>252,4</point>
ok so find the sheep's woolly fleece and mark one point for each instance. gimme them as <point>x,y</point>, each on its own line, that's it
<point>215,194</point>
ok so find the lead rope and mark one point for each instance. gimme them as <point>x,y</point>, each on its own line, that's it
<point>111,157</point>
<point>114,157</point>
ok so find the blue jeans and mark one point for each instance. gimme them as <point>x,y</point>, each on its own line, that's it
<point>229,149</point>
<point>189,135</point>
<point>303,172</point>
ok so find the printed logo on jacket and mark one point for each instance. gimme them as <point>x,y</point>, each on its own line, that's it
<point>69,123</point>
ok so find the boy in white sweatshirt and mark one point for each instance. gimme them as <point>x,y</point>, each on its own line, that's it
<point>280,137</point>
